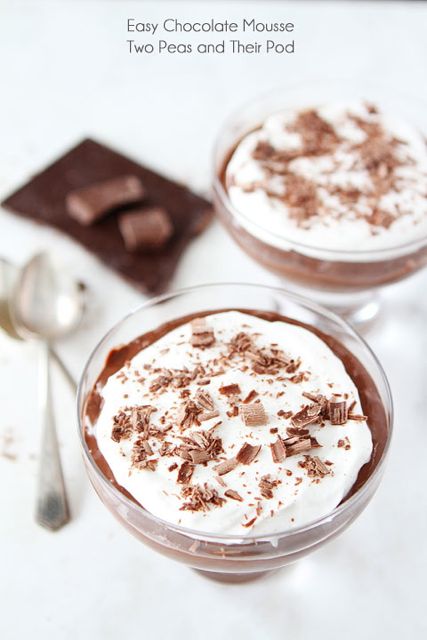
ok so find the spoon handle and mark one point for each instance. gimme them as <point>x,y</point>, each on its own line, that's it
<point>52,507</point>
<point>64,369</point>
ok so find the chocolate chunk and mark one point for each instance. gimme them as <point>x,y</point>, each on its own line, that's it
<point>201,334</point>
<point>147,229</point>
<point>296,445</point>
<point>247,453</point>
<point>89,204</point>
<point>253,414</point>
<point>337,411</point>
<point>43,199</point>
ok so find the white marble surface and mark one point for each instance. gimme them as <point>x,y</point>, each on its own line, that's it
<point>65,74</point>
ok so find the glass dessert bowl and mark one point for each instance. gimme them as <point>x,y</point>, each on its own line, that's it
<point>231,486</point>
<point>327,190</point>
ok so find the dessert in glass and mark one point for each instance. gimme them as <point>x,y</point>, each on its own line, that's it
<point>234,428</point>
<point>328,190</point>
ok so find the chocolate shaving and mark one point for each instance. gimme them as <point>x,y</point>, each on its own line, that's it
<point>161,382</point>
<point>183,452</point>
<point>301,198</point>
<point>131,419</point>
<point>150,465</point>
<point>314,443</point>
<point>190,415</point>
<point>263,151</point>
<point>278,450</point>
<point>185,472</point>
<point>208,415</point>
<point>313,397</point>
<point>165,449</point>
<point>140,418</point>
<point>199,456</point>
<point>307,415</point>
<point>198,438</point>
<point>314,466</point>
<point>380,218</point>
<point>296,445</point>
<point>204,400</point>
<point>203,381</point>
<point>200,498</point>
<point>251,396</point>
<point>200,447</point>
<point>284,414</point>
<point>230,493</point>
<point>139,453</point>
<point>337,410</point>
<point>230,390</point>
<point>253,414</point>
<point>247,453</point>
<point>358,418</point>
<point>241,343</point>
<point>147,448</point>
<point>226,466</point>
<point>297,431</point>
<point>250,522</point>
<point>268,361</point>
<point>344,444</point>
<point>266,485</point>
<point>119,433</point>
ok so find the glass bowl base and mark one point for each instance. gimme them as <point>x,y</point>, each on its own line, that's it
<point>233,578</point>
<point>361,309</point>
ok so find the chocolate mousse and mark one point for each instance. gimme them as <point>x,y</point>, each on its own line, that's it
<point>333,196</point>
<point>235,422</point>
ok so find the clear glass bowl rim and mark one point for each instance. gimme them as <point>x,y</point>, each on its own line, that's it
<point>375,254</point>
<point>236,538</point>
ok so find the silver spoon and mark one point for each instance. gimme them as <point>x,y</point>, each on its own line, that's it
<point>8,277</point>
<point>47,305</point>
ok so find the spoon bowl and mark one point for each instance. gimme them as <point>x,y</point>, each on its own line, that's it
<point>47,304</point>
<point>8,276</point>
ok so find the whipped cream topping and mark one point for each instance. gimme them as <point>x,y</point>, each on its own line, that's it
<point>238,462</point>
<point>340,177</point>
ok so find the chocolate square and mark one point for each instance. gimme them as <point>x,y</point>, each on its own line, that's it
<point>89,204</point>
<point>148,228</point>
<point>43,199</point>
